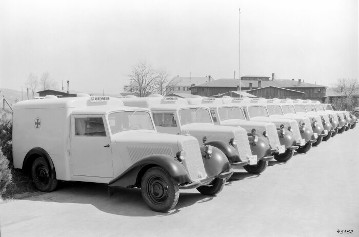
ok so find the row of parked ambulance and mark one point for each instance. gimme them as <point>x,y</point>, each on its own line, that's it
<point>163,144</point>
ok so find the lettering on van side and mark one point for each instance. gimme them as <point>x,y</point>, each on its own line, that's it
<point>37,122</point>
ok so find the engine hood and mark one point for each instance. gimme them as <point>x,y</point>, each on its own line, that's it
<point>149,137</point>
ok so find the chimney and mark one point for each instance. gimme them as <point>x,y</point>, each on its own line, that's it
<point>209,78</point>
<point>259,84</point>
<point>68,87</point>
<point>299,81</point>
<point>250,86</point>
<point>273,76</point>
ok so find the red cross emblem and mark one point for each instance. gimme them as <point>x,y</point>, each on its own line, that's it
<point>37,123</point>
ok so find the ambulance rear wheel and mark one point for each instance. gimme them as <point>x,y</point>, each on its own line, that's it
<point>284,157</point>
<point>213,188</point>
<point>42,176</point>
<point>159,190</point>
<point>258,168</point>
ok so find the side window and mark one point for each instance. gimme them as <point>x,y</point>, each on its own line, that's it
<point>91,126</point>
<point>164,119</point>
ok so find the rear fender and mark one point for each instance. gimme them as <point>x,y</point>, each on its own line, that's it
<point>32,155</point>
<point>132,176</point>
<point>227,149</point>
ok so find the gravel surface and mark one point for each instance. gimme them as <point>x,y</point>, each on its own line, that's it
<point>314,194</point>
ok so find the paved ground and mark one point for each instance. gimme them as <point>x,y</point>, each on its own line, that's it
<point>315,194</point>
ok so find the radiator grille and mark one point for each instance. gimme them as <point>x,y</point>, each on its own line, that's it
<point>136,153</point>
<point>193,160</point>
<point>295,130</point>
<point>244,148</point>
<point>272,135</point>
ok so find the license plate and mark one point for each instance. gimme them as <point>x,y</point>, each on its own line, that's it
<point>315,135</point>
<point>281,149</point>
<point>252,159</point>
<point>302,142</point>
<point>325,132</point>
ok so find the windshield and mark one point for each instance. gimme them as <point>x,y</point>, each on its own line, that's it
<point>129,120</point>
<point>319,107</point>
<point>227,113</point>
<point>274,110</point>
<point>257,111</point>
<point>194,115</point>
<point>310,108</point>
<point>300,108</point>
<point>288,109</point>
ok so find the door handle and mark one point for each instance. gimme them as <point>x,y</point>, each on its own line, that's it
<point>108,145</point>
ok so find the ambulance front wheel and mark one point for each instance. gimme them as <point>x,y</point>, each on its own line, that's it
<point>42,176</point>
<point>215,187</point>
<point>159,190</point>
<point>258,168</point>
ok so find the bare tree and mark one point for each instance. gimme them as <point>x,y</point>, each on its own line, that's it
<point>46,82</point>
<point>162,82</point>
<point>347,88</point>
<point>31,84</point>
<point>143,79</point>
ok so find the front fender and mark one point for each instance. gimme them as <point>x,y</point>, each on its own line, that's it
<point>287,139</point>
<point>132,176</point>
<point>306,134</point>
<point>318,129</point>
<point>327,126</point>
<point>216,164</point>
<point>261,148</point>
<point>227,149</point>
<point>334,124</point>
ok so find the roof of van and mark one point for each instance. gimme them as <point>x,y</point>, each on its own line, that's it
<point>69,102</point>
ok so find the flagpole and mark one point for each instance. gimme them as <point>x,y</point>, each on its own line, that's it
<point>239,52</point>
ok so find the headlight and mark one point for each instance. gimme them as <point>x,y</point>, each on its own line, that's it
<point>281,126</point>
<point>255,140</point>
<point>232,142</point>
<point>265,134</point>
<point>180,155</point>
<point>253,131</point>
<point>315,123</point>
<point>209,150</point>
<point>204,139</point>
<point>290,129</point>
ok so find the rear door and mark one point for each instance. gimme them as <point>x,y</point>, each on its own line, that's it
<point>90,149</point>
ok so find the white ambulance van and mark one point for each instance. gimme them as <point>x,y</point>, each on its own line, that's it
<point>98,139</point>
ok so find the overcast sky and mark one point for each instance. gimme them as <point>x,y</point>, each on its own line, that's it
<point>94,44</point>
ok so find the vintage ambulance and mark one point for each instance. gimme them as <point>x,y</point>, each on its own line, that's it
<point>175,116</point>
<point>324,117</point>
<point>226,114</point>
<point>333,118</point>
<point>98,139</point>
<point>343,123</point>
<point>288,130</point>
<point>281,109</point>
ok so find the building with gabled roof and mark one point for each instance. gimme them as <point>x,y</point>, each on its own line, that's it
<point>214,87</point>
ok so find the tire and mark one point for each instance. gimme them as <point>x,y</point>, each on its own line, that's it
<point>214,187</point>
<point>158,189</point>
<point>258,168</point>
<point>335,132</point>
<point>287,155</point>
<point>318,141</point>
<point>326,138</point>
<point>43,177</point>
<point>347,128</point>
<point>305,148</point>
<point>353,126</point>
